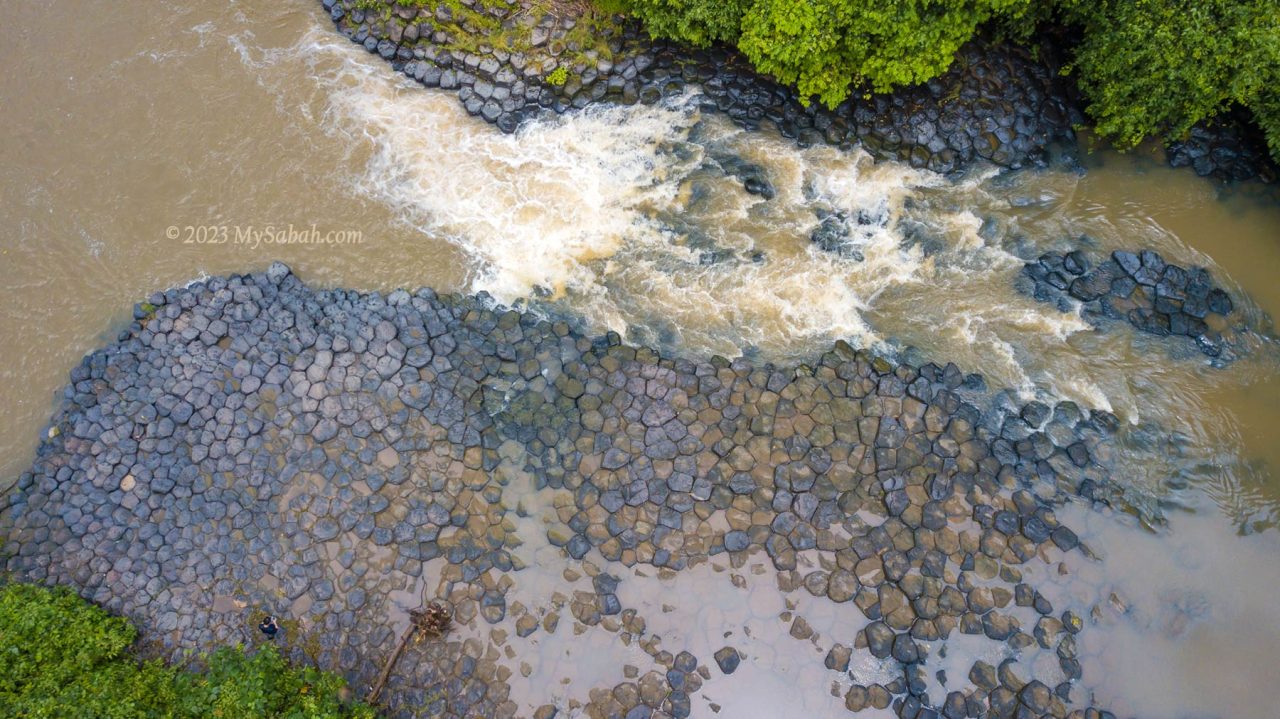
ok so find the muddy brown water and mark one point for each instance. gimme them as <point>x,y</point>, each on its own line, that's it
<point>148,144</point>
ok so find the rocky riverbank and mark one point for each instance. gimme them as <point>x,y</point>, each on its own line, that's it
<point>512,59</point>
<point>1229,148</point>
<point>251,444</point>
<point>995,104</point>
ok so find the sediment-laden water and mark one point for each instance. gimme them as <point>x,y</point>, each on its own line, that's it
<point>637,220</point>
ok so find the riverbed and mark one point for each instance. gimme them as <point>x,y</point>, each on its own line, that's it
<point>173,141</point>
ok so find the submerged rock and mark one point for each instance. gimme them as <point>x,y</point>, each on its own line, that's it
<point>332,458</point>
<point>759,186</point>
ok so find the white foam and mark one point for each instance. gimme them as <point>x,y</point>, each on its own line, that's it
<point>612,211</point>
<point>569,207</point>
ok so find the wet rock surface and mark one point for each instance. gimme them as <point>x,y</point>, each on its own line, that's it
<point>1140,288</point>
<point>1229,148</point>
<point>252,446</point>
<point>996,103</point>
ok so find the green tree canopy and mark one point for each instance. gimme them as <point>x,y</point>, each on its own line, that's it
<point>697,22</point>
<point>1157,67</point>
<point>826,47</point>
<point>1146,67</point>
<point>63,658</point>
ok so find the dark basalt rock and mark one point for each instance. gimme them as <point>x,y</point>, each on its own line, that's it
<point>832,234</point>
<point>1140,288</point>
<point>758,186</point>
<point>996,103</point>
<point>253,443</point>
<point>1228,148</point>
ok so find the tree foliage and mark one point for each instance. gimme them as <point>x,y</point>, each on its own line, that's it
<point>827,47</point>
<point>697,22</point>
<point>1267,113</point>
<point>1146,67</point>
<point>61,657</point>
<point>823,46</point>
<point>1157,67</point>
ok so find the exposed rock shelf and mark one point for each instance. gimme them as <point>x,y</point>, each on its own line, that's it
<point>251,444</point>
<point>1154,296</point>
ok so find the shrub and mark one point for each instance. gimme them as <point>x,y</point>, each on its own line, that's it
<point>697,22</point>
<point>1157,67</point>
<point>63,657</point>
<point>1146,67</point>
<point>1267,113</point>
<point>558,77</point>
<point>824,47</point>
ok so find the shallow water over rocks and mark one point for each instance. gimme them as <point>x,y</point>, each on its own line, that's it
<point>313,454</point>
<point>636,220</point>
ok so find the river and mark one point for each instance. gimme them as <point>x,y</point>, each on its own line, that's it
<point>149,144</point>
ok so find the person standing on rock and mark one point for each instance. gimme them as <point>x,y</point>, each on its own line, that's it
<point>269,627</point>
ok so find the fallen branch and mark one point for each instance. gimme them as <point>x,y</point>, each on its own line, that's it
<point>432,621</point>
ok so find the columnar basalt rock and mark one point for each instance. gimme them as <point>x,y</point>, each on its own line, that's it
<point>250,444</point>
<point>1154,296</point>
<point>995,104</point>
<point>1225,148</point>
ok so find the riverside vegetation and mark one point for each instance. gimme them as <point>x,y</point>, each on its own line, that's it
<point>896,76</point>
<point>61,656</point>
<point>1147,69</point>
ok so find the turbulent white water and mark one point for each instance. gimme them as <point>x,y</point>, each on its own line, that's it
<point>636,218</point>
<point>598,210</point>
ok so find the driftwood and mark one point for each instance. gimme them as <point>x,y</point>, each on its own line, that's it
<point>432,621</point>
